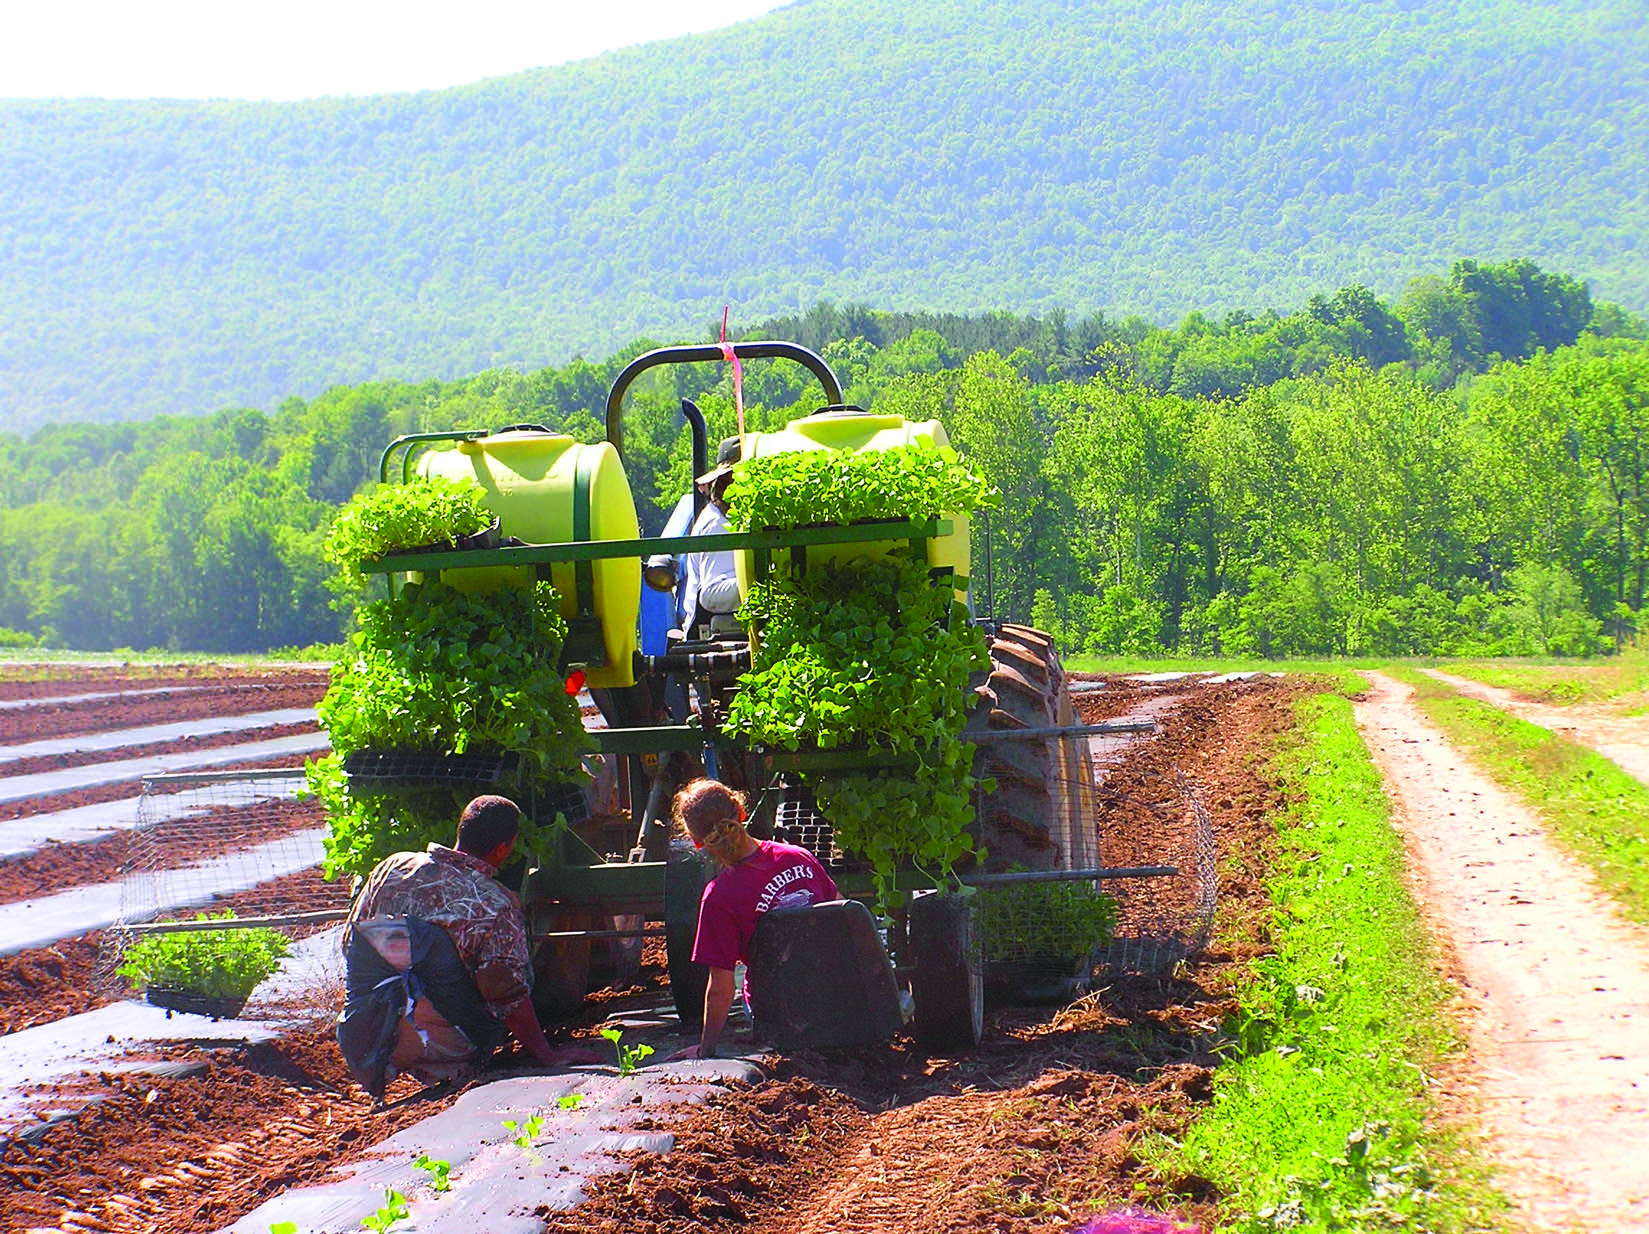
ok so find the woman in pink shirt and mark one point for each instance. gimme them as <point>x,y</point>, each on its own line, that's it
<point>756,876</point>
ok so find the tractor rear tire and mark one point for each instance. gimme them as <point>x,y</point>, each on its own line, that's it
<point>1041,815</point>
<point>947,983</point>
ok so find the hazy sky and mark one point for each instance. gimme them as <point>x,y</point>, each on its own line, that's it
<point>306,48</point>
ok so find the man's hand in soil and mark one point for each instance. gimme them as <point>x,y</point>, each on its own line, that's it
<point>524,1027</point>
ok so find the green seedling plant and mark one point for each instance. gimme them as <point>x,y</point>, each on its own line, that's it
<point>443,671</point>
<point>283,1227</point>
<point>394,1209</point>
<point>572,1101</point>
<point>870,655</point>
<point>438,1172</point>
<point>524,1131</point>
<point>866,654</point>
<point>395,517</point>
<point>225,963</point>
<point>1054,920</point>
<point>918,482</point>
<point>629,1056</point>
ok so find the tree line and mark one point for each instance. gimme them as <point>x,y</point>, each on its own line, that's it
<point>1460,470</point>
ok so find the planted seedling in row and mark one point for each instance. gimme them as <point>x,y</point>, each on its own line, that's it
<point>524,1131</point>
<point>572,1101</point>
<point>629,1056</point>
<point>394,1209</point>
<point>438,1171</point>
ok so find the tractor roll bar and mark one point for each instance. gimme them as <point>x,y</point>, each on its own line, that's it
<point>708,352</point>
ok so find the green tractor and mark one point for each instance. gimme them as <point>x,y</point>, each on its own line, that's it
<point>658,704</point>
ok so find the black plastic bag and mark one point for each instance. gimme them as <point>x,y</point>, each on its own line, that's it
<point>391,964</point>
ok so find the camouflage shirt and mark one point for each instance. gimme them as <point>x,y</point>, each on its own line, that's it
<point>481,915</point>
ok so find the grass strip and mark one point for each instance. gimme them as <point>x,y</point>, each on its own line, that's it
<point>1568,684</point>
<point>1588,804</point>
<point>1320,1115</point>
<point>1558,686</point>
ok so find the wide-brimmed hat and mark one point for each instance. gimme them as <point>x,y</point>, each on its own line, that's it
<point>727,454</point>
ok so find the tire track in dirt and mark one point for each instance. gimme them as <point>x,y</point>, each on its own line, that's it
<point>1559,1065</point>
<point>1623,740</point>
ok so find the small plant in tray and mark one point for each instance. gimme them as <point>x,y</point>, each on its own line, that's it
<point>212,972</point>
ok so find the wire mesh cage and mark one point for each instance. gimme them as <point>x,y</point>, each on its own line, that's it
<point>1162,920</point>
<point>1046,939</point>
<point>243,843</point>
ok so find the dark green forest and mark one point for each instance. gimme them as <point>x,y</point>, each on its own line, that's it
<point>1462,469</point>
<point>1033,156</point>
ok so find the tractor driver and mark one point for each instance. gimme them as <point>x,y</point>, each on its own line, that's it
<point>438,969</point>
<point>756,876</point>
<point>709,584</point>
<point>711,587</point>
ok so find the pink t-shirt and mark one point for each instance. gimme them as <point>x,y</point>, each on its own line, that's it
<point>774,876</point>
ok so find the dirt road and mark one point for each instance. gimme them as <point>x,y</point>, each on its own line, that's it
<point>1559,1064</point>
<point>1622,739</point>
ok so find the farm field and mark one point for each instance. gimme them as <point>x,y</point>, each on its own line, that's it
<point>1060,1113</point>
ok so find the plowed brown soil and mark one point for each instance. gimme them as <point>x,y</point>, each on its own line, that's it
<point>48,983</point>
<point>42,679</point>
<point>192,1153</point>
<point>268,692</point>
<point>120,792</point>
<point>58,867</point>
<point>45,984</point>
<point>1034,1128</point>
<point>206,741</point>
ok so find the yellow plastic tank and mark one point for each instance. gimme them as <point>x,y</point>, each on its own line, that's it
<point>858,431</point>
<point>547,488</point>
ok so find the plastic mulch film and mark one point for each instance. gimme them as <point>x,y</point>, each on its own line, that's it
<point>242,842</point>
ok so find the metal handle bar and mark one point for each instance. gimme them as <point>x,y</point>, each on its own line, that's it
<point>708,352</point>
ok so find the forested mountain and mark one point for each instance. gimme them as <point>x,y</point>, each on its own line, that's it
<point>1117,156</point>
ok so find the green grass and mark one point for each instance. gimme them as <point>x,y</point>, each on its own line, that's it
<point>1565,683</point>
<point>1563,686</point>
<point>32,663</point>
<point>1588,804</point>
<point>1321,1116</point>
